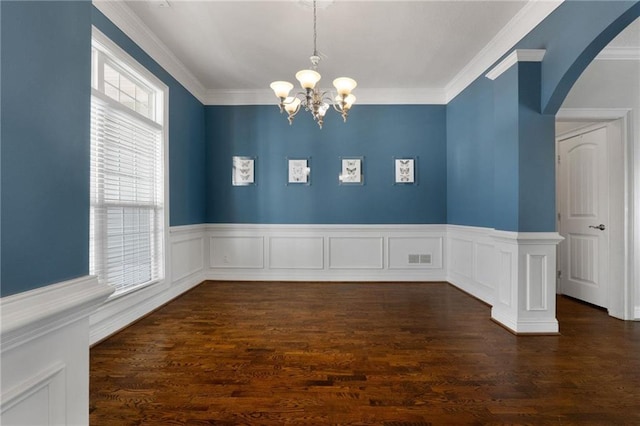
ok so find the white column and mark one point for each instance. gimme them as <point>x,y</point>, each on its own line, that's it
<point>525,300</point>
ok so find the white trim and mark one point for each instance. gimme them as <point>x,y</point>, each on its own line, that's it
<point>524,238</point>
<point>31,385</point>
<point>619,54</point>
<point>476,275</point>
<point>44,352</point>
<point>125,19</point>
<point>631,282</point>
<point>366,96</point>
<point>525,292</point>
<point>329,258</point>
<point>592,114</point>
<point>521,24</point>
<point>519,55</point>
<point>30,314</point>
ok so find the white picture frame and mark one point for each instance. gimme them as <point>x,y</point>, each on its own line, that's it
<point>298,171</point>
<point>405,171</point>
<point>243,171</point>
<point>351,172</point>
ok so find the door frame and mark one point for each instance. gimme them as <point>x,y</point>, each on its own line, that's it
<point>623,242</point>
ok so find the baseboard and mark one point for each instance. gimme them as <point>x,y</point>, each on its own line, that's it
<point>525,327</point>
<point>119,313</point>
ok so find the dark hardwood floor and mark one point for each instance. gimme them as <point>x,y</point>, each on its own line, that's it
<point>361,354</point>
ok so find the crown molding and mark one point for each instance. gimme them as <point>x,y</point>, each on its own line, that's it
<point>619,54</point>
<point>521,24</point>
<point>364,97</point>
<point>124,18</point>
<point>534,12</point>
<point>518,55</point>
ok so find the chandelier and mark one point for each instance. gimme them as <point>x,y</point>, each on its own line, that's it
<point>314,100</point>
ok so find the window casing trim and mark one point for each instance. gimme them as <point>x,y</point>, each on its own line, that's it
<point>161,110</point>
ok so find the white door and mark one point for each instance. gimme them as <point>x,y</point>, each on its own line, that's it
<point>583,200</point>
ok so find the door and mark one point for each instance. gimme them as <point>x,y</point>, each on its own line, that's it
<point>583,198</point>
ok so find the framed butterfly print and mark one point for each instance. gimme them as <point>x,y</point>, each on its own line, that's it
<point>243,173</point>
<point>405,171</point>
<point>351,171</point>
<point>299,171</point>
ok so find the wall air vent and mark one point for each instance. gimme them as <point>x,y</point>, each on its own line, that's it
<point>415,259</point>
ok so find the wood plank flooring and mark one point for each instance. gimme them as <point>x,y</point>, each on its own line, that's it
<point>361,354</point>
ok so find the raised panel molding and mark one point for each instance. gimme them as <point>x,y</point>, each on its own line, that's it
<point>38,400</point>
<point>505,277</point>
<point>296,253</point>
<point>187,257</point>
<point>356,253</point>
<point>335,252</point>
<point>237,252</point>
<point>529,259</point>
<point>472,261</point>
<point>462,257</point>
<point>537,284</point>
<point>415,252</point>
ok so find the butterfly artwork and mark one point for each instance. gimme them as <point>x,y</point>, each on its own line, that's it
<point>405,170</point>
<point>298,171</point>
<point>243,171</point>
<point>351,171</point>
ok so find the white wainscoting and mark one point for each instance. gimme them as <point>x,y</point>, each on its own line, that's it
<point>526,299</point>
<point>472,261</point>
<point>513,272</point>
<point>45,353</point>
<point>326,252</point>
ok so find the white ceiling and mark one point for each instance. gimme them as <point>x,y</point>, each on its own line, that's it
<point>421,51</point>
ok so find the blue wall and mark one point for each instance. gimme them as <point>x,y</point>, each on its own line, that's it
<point>470,162</point>
<point>46,90</point>
<point>500,134</point>
<point>46,69</point>
<point>468,172</point>
<point>377,133</point>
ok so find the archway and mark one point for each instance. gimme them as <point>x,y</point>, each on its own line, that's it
<point>608,91</point>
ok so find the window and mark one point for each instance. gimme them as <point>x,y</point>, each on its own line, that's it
<point>127,214</point>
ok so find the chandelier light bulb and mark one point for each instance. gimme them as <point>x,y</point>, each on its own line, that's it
<point>291,105</point>
<point>308,78</point>
<point>281,88</point>
<point>349,101</point>
<point>344,85</point>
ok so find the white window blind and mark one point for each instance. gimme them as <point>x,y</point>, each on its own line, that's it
<point>127,192</point>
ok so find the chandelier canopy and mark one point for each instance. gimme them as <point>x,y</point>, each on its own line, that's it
<point>314,100</point>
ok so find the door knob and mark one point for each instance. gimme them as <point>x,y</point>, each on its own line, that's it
<point>600,227</point>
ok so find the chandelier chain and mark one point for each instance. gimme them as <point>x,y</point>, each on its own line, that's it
<point>315,30</point>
